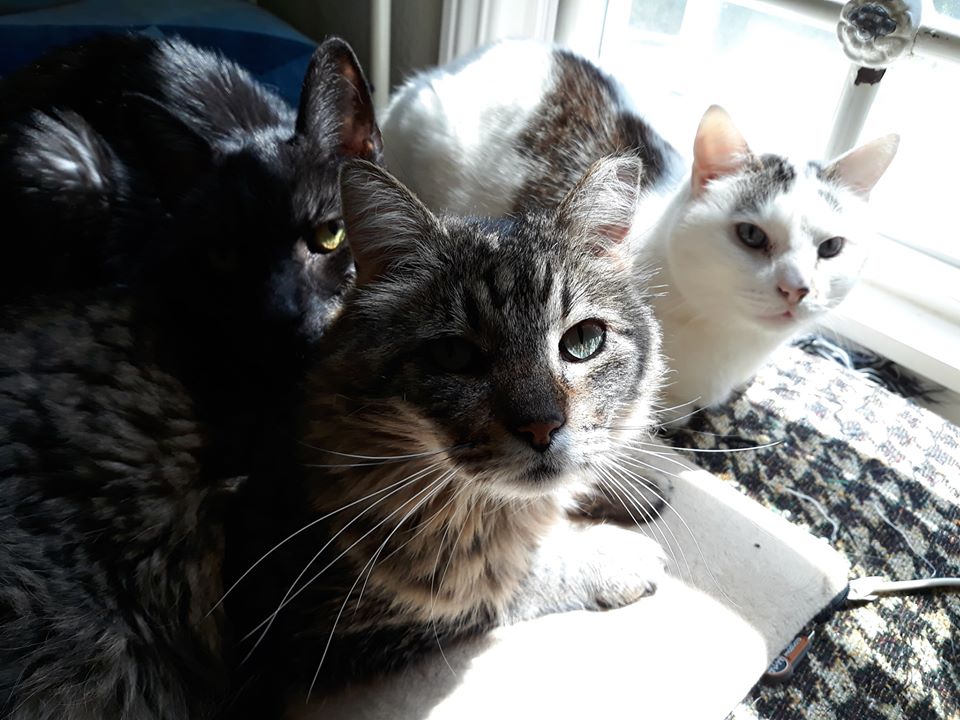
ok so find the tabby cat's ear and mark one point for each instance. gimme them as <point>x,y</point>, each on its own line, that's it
<point>175,155</point>
<point>335,105</point>
<point>718,149</point>
<point>860,169</point>
<point>599,210</point>
<point>387,225</point>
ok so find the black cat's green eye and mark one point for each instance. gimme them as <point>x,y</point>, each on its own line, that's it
<point>830,248</point>
<point>582,341</point>
<point>453,354</point>
<point>752,236</point>
<point>327,237</point>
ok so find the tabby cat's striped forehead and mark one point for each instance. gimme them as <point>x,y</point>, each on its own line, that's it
<point>520,279</point>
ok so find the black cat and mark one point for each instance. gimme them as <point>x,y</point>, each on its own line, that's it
<point>173,246</point>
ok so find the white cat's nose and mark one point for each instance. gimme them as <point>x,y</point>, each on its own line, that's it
<point>793,293</point>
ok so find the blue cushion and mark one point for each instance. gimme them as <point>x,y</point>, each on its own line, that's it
<point>279,62</point>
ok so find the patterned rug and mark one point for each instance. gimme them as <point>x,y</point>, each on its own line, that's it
<point>879,478</point>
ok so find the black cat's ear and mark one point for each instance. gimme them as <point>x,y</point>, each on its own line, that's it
<point>335,104</point>
<point>598,212</point>
<point>388,226</point>
<point>174,154</point>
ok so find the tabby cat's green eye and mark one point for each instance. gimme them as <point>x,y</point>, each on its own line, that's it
<point>583,341</point>
<point>328,236</point>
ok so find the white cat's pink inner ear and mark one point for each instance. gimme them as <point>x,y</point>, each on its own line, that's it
<point>861,168</point>
<point>718,149</point>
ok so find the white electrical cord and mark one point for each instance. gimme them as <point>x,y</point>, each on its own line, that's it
<point>867,589</point>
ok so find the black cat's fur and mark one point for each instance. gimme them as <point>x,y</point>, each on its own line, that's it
<point>159,294</point>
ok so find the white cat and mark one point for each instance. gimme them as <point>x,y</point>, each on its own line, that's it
<point>751,249</point>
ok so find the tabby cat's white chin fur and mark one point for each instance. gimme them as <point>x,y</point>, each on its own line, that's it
<point>512,126</point>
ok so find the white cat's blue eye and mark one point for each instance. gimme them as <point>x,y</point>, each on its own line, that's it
<point>752,236</point>
<point>582,341</point>
<point>830,248</point>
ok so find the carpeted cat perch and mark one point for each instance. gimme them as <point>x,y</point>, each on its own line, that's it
<point>742,583</point>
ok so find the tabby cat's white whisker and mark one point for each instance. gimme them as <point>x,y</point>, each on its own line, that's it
<point>303,529</point>
<point>384,458</point>
<point>435,595</point>
<point>674,421</point>
<point>422,503</point>
<point>633,449</point>
<point>630,458</point>
<point>626,485</point>
<point>438,483</point>
<point>610,485</point>
<point>290,595</point>
<point>671,408</point>
<point>627,481</point>
<point>420,527</point>
<point>687,527</point>
<point>764,446</point>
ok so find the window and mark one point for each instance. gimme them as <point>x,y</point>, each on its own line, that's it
<point>777,73</point>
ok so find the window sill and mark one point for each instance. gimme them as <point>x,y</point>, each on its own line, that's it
<point>907,308</point>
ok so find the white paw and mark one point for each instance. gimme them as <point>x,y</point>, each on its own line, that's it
<point>625,567</point>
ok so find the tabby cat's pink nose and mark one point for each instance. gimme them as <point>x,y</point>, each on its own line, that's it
<point>539,433</point>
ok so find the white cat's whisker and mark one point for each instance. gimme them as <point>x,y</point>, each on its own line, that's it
<point>303,529</point>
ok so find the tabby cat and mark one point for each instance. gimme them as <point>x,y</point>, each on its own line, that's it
<point>479,374</point>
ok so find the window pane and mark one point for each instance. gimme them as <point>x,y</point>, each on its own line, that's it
<point>950,8</point>
<point>660,16</point>
<point>779,75</point>
<point>917,200</point>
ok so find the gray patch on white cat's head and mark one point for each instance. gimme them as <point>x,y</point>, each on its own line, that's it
<point>763,178</point>
<point>827,190</point>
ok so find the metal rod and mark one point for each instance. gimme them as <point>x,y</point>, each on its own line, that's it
<point>859,91</point>
<point>380,54</point>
